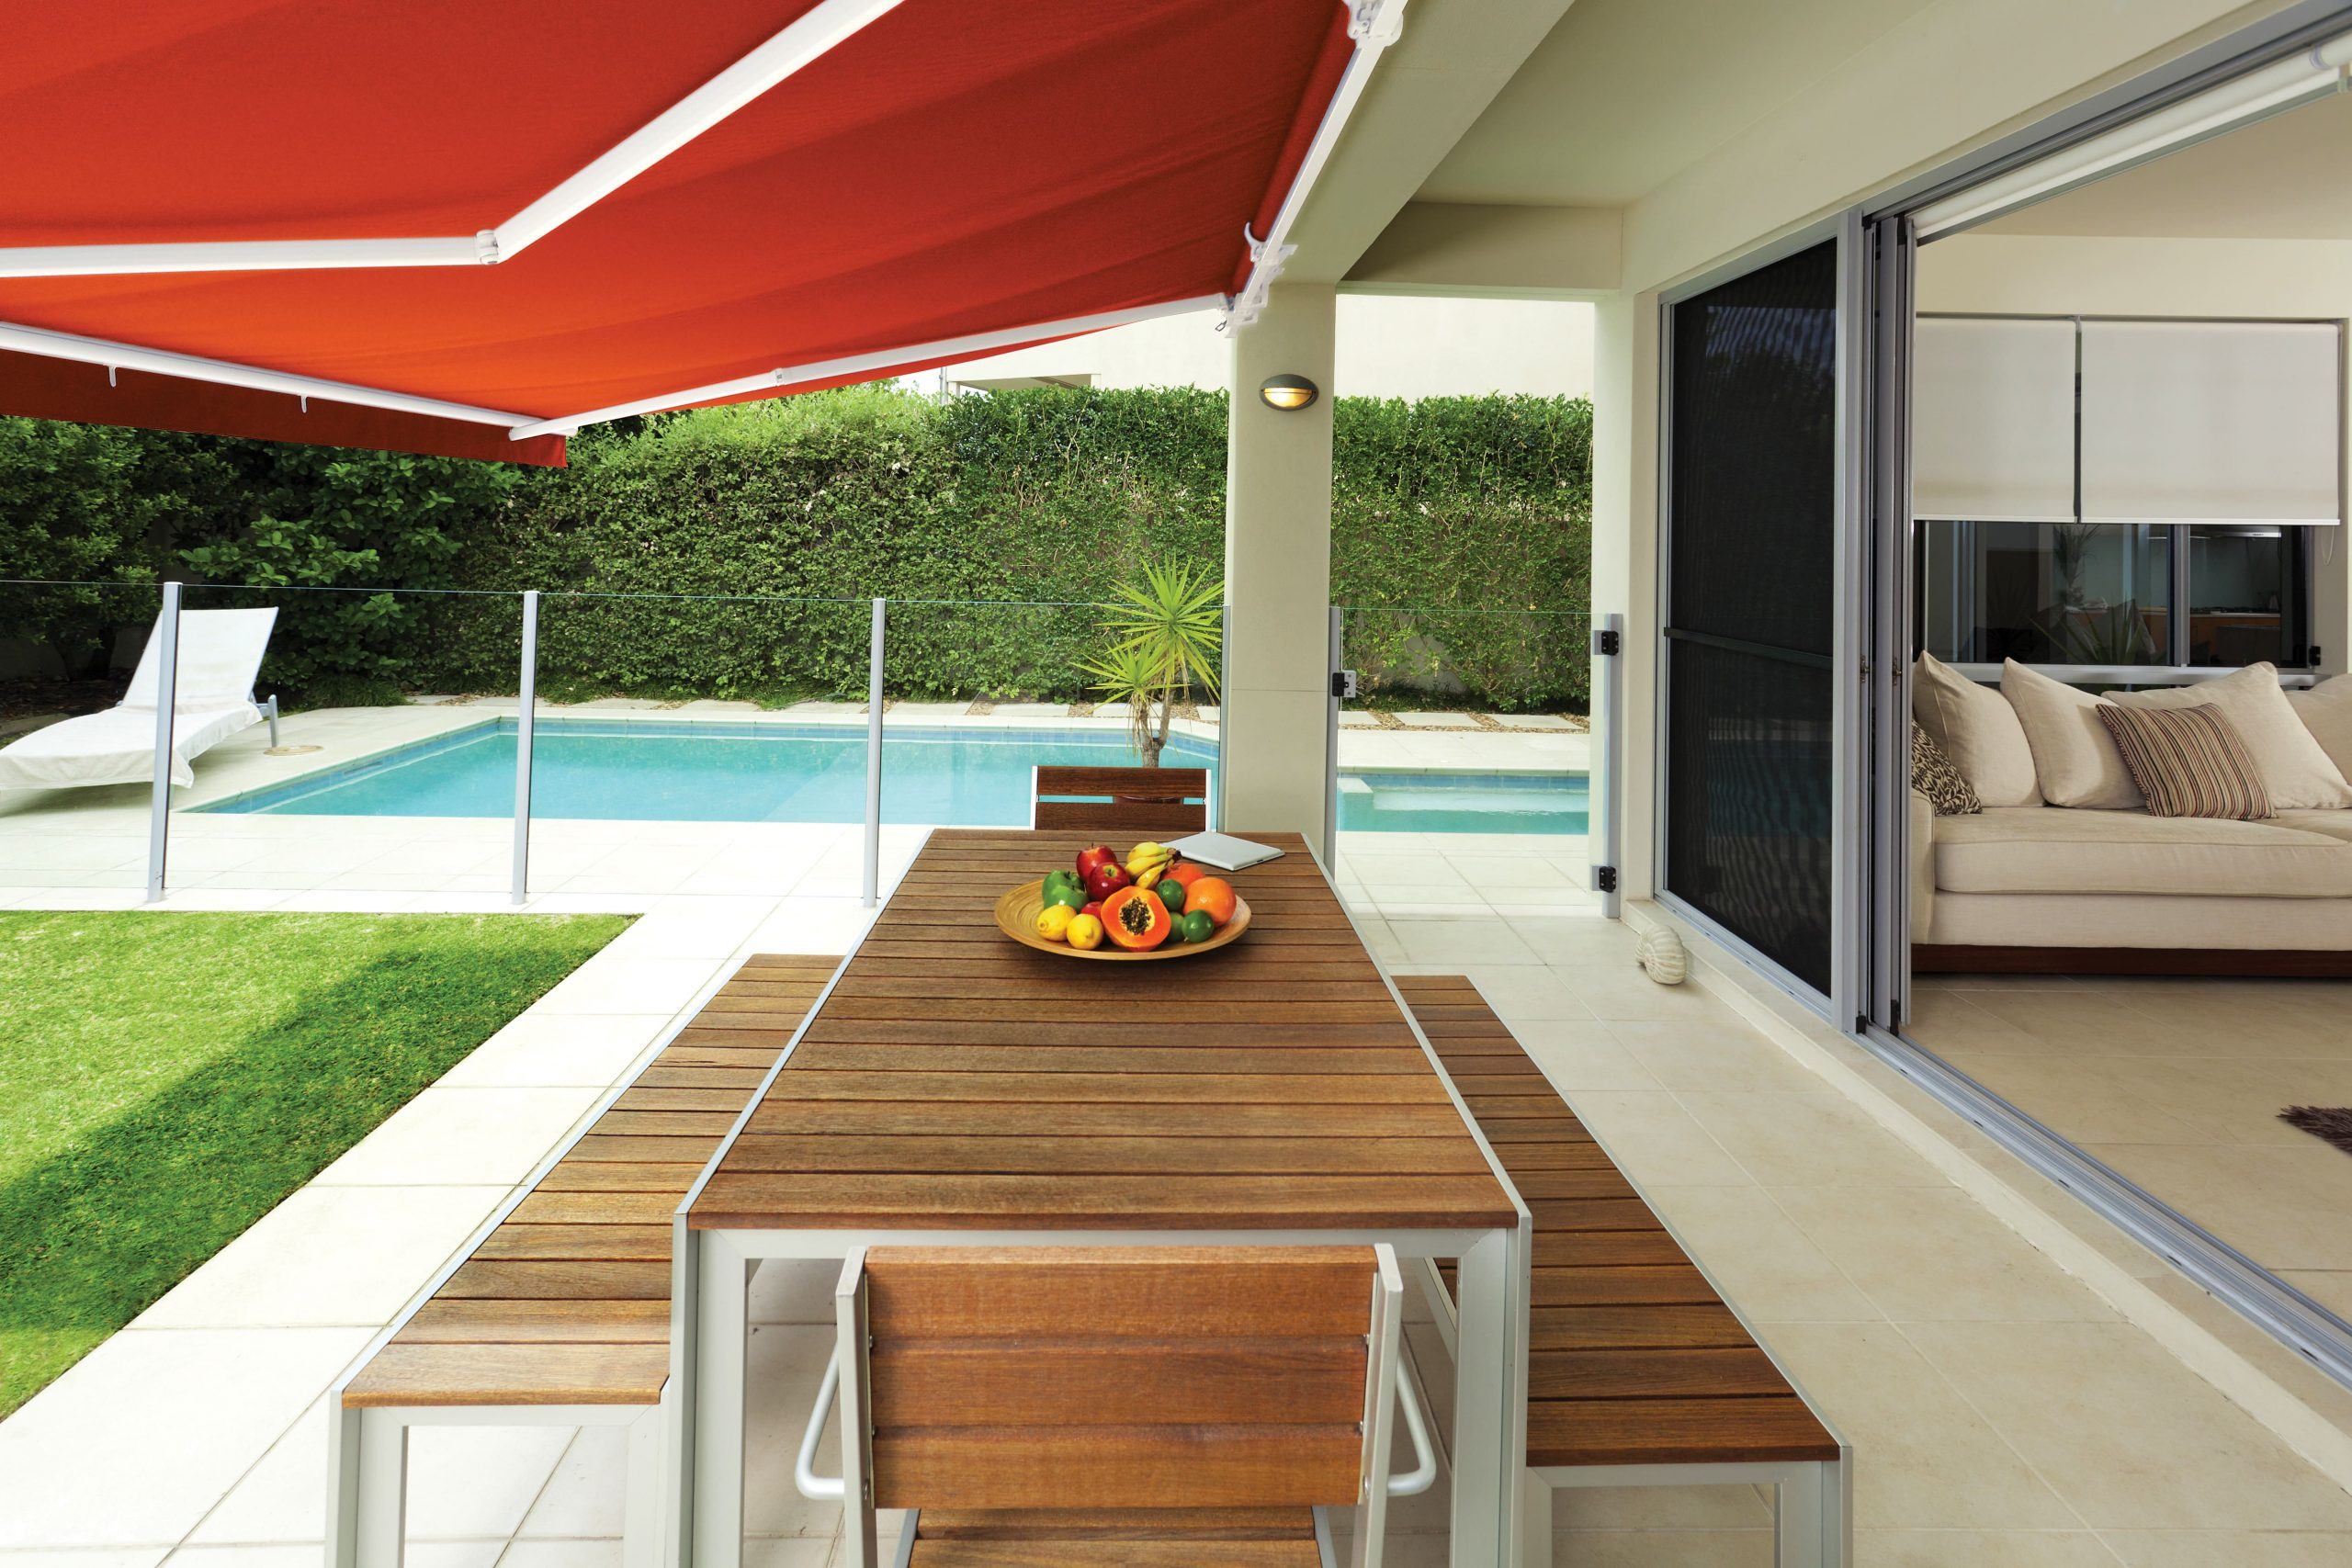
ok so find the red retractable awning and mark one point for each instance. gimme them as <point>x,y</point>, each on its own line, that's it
<point>302,200</point>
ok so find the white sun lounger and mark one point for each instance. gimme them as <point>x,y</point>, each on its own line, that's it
<point>221,652</point>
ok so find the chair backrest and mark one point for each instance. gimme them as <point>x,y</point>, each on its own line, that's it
<point>219,659</point>
<point>1120,800</point>
<point>1135,1376</point>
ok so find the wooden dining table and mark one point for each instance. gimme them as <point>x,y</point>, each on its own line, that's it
<point>955,1088</point>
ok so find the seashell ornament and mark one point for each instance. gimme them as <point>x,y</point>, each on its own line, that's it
<point>1663,958</point>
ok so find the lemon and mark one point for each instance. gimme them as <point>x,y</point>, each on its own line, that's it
<point>1085,932</point>
<point>1053,921</point>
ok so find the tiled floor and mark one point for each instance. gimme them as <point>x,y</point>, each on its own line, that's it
<point>2179,1084</point>
<point>2002,1413</point>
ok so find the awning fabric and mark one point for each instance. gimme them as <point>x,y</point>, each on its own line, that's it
<point>955,168</point>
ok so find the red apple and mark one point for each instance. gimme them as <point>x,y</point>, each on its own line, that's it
<point>1105,879</point>
<point>1088,860</point>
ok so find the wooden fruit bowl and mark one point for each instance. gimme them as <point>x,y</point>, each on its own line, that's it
<point>1016,917</point>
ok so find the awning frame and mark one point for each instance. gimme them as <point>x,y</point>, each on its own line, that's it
<point>1374,25</point>
<point>808,39</point>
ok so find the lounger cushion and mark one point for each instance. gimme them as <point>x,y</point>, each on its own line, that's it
<point>2044,849</point>
<point>116,746</point>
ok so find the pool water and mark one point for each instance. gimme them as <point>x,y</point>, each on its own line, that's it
<point>653,771</point>
<point>1464,802</point>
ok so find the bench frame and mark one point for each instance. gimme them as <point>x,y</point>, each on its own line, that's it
<point>367,1504</point>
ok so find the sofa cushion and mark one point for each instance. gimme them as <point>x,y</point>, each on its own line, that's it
<point>2044,850</point>
<point>2297,771</point>
<point>2075,761</point>
<point>2326,712</point>
<point>1977,730</point>
<point>2330,823</point>
<point>2188,761</point>
<point>1933,775</point>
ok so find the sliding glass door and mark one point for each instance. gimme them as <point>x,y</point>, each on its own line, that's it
<point>1750,620</point>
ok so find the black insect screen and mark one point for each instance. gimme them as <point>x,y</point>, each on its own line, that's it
<point>1750,618</point>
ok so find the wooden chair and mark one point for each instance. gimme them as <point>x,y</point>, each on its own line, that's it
<point>1120,800</point>
<point>1117,1405</point>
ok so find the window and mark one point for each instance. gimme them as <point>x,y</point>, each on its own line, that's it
<point>2102,490</point>
<point>2106,594</point>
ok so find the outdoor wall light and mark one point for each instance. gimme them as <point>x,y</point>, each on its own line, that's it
<point>1288,393</point>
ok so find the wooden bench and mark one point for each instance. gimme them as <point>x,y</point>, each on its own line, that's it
<point>1120,800</point>
<point>558,1312</point>
<point>1639,1372</point>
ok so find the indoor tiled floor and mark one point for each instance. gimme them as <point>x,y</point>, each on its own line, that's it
<point>2002,1415</point>
<point>2179,1084</point>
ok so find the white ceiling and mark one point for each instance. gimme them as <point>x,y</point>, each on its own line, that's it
<point>2284,178</point>
<point>1622,94</point>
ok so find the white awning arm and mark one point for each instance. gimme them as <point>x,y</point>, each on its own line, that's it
<point>228,373</point>
<point>1375,25</point>
<point>814,34</point>
<point>860,363</point>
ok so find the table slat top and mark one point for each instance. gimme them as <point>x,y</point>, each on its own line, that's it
<point>955,1079</point>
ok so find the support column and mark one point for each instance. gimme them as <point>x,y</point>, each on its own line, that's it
<point>1278,571</point>
<point>1624,558</point>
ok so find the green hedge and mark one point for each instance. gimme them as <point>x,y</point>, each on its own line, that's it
<point>1446,505</point>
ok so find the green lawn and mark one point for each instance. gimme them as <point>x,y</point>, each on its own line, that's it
<point>166,1078</point>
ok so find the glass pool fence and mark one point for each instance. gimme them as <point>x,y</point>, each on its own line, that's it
<point>494,745</point>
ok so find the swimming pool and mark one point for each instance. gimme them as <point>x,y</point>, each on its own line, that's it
<point>1463,803</point>
<point>657,771</point>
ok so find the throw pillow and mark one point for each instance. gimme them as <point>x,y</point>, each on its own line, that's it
<point>2297,771</point>
<point>2075,760</point>
<point>2326,712</point>
<point>1977,730</point>
<point>2188,761</point>
<point>1933,775</point>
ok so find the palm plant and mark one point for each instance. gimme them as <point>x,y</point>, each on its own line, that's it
<point>1166,630</point>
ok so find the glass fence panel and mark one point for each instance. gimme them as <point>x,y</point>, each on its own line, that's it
<point>1464,763</point>
<point>697,745</point>
<point>76,748</point>
<point>980,694</point>
<point>389,766</point>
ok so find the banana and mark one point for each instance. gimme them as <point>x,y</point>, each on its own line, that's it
<point>1146,860</point>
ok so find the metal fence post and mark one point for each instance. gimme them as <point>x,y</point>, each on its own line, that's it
<point>1333,665</point>
<point>529,701</point>
<point>1601,761</point>
<point>167,676</point>
<point>872,889</point>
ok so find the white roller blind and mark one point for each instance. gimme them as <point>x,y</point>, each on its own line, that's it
<point>2220,422</point>
<point>1993,420</point>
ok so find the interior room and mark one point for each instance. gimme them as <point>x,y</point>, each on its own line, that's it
<point>2128,450</point>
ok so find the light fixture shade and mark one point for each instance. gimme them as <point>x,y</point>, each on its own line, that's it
<point>1288,393</point>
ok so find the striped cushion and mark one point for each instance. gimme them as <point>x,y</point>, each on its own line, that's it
<point>2188,762</point>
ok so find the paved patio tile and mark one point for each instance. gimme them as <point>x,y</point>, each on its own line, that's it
<point>587,1050</point>
<point>327,1255</point>
<point>137,1441</point>
<point>462,1135</point>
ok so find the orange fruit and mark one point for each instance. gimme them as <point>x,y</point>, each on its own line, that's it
<point>1214,894</point>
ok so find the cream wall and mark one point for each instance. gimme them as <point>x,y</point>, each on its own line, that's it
<point>2069,275</point>
<point>1389,347</point>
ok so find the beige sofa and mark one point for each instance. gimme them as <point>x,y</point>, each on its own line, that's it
<point>2037,886</point>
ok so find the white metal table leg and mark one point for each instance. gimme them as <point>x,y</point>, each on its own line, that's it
<point>645,1522</point>
<point>382,1495</point>
<point>722,1332</point>
<point>1490,1411</point>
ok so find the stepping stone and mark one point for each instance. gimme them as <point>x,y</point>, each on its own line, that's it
<point>1439,720</point>
<point>1530,721</point>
